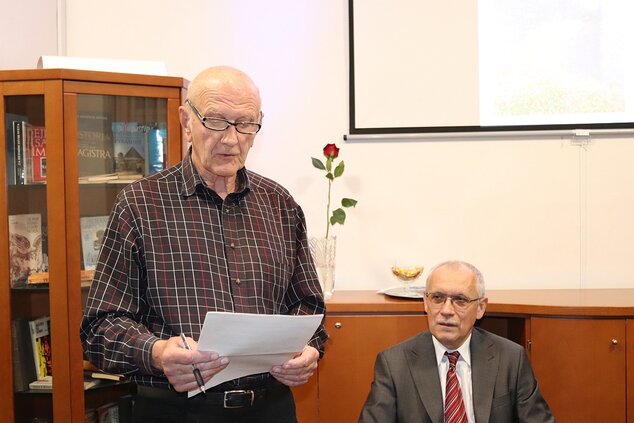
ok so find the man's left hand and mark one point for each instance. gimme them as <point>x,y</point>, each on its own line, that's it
<point>298,369</point>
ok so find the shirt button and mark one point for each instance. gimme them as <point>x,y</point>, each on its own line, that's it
<point>238,281</point>
<point>232,245</point>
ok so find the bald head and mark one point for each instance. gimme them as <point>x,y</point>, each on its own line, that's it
<point>226,80</point>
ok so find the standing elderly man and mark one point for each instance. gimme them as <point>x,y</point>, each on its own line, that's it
<point>454,373</point>
<point>204,235</point>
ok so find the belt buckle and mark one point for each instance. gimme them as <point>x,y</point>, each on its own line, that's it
<point>231,396</point>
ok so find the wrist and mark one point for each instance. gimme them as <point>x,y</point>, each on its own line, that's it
<point>157,354</point>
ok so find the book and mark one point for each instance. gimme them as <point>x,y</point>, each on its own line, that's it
<point>130,146</point>
<point>108,413</point>
<point>106,376</point>
<point>90,382</point>
<point>19,142</point>
<point>90,415</point>
<point>36,160</point>
<point>157,142</point>
<point>42,278</point>
<point>41,346</point>
<point>9,118</point>
<point>46,383</point>
<point>43,384</point>
<point>25,247</point>
<point>23,366</point>
<point>95,146</point>
<point>92,230</point>
<point>110,178</point>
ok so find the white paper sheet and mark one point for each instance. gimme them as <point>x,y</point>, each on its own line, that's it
<point>254,342</point>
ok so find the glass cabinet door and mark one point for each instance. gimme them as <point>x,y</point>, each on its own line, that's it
<point>26,177</point>
<point>119,139</point>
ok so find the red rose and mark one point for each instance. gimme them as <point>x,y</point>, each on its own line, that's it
<point>332,171</point>
<point>331,150</point>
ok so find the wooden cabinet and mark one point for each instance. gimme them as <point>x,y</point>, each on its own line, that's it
<point>346,372</point>
<point>580,342</point>
<point>61,101</point>
<point>629,353</point>
<point>580,366</point>
<point>360,325</point>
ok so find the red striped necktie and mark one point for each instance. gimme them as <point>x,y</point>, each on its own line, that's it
<point>454,406</point>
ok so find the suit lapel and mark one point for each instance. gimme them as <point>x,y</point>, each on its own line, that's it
<point>484,368</point>
<point>421,359</point>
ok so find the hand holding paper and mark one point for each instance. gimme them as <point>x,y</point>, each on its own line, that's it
<point>254,342</point>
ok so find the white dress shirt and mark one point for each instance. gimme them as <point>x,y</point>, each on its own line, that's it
<point>463,371</point>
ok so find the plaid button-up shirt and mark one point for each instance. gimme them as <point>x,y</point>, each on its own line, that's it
<point>174,250</point>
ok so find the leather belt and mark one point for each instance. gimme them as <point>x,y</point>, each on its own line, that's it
<point>234,398</point>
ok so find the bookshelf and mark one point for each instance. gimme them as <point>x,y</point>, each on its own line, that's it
<point>78,110</point>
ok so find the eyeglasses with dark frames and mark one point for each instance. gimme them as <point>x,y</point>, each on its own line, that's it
<point>460,302</point>
<point>219,124</point>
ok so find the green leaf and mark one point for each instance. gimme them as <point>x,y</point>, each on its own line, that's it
<point>338,216</point>
<point>318,164</point>
<point>329,164</point>
<point>329,176</point>
<point>348,202</point>
<point>339,169</point>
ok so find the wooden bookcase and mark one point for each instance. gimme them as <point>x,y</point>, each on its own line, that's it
<point>55,99</point>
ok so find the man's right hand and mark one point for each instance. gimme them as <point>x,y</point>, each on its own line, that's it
<point>176,361</point>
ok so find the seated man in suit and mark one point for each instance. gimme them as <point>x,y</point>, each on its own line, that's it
<point>454,373</point>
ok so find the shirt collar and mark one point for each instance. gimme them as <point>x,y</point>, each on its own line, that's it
<point>464,350</point>
<point>192,179</point>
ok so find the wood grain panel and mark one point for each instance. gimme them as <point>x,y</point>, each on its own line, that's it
<point>580,367</point>
<point>347,369</point>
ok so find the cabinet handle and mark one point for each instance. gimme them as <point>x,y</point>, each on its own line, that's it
<point>338,325</point>
<point>615,341</point>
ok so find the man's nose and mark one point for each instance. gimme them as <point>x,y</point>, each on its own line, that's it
<point>230,135</point>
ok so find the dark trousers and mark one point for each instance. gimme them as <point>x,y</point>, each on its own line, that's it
<point>278,406</point>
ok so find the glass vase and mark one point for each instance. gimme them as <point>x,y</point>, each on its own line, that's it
<point>323,251</point>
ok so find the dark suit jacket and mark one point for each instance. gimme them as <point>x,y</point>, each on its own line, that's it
<point>406,386</point>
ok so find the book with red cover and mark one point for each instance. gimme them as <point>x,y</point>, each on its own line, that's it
<point>37,147</point>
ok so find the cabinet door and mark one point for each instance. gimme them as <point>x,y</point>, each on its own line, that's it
<point>346,371</point>
<point>580,367</point>
<point>630,370</point>
<point>112,139</point>
<point>307,400</point>
<point>33,317</point>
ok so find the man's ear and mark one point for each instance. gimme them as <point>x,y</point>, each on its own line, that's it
<point>482,306</point>
<point>184,118</point>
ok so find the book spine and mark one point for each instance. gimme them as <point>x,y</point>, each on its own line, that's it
<point>18,375</point>
<point>156,150</point>
<point>10,150</point>
<point>27,148</point>
<point>38,154</point>
<point>18,151</point>
<point>23,369</point>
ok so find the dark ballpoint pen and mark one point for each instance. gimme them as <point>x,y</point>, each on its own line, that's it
<point>197,375</point>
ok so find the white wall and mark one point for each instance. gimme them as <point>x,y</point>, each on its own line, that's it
<point>537,213</point>
<point>29,29</point>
